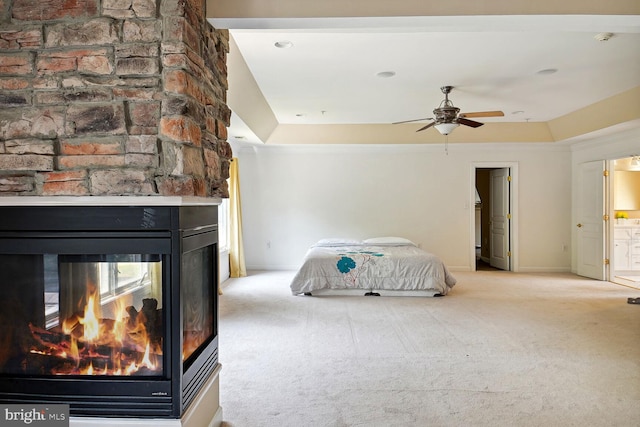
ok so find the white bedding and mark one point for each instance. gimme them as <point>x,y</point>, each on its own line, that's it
<point>373,265</point>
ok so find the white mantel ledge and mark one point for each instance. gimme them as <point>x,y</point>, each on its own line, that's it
<point>108,201</point>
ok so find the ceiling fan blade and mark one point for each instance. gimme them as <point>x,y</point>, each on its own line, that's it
<point>414,120</point>
<point>426,127</point>
<point>467,122</point>
<point>483,114</point>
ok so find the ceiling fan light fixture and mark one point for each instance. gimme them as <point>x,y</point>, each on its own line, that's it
<point>446,128</point>
<point>447,117</point>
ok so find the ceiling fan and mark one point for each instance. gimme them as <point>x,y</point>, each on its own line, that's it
<point>448,117</point>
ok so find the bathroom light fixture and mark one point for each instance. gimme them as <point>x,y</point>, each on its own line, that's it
<point>635,163</point>
<point>446,128</point>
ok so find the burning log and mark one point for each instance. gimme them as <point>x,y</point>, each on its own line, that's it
<point>112,347</point>
<point>150,317</point>
<point>51,342</point>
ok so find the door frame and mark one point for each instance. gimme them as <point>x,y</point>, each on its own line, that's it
<point>609,228</point>
<point>513,208</point>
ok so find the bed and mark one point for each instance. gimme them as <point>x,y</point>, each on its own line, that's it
<point>382,266</point>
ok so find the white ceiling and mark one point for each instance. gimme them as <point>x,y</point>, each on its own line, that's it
<point>329,75</point>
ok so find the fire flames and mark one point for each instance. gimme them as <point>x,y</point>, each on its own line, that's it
<point>86,344</point>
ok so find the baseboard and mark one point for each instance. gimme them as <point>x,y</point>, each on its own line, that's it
<point>544,270</point>
<point>272,267</point>
<point>455,268</point>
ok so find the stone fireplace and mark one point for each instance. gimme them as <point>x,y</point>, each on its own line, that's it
<point>104,104</point>
<point>112,97</point>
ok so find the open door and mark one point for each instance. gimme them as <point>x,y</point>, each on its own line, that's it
<point>500,227</point>
<point>590,220</point>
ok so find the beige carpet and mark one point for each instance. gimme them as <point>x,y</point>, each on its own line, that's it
<point>502,349</point>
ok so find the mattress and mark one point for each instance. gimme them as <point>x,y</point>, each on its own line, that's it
<point>377,266</point>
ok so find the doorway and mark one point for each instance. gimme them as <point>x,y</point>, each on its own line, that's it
<point>494,227</point>
<point>624,212</point>
<point>606,189</point>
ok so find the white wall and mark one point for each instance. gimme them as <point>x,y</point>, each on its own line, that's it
<point>294,195</point>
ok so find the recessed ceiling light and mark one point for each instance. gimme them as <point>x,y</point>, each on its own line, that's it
<point>548,71</point>
<point>386,74</point>
<point>283,44</point>
<point>517,112</point>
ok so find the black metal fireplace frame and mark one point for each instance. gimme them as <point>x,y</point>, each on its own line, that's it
<point>167,230</point>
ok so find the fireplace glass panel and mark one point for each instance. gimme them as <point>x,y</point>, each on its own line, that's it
<point>82,315</point>
<point>197,301</point>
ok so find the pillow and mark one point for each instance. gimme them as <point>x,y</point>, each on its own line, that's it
<point>388,241</point>
<point>338,242</point>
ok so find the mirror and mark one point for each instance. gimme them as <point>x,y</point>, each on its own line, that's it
<point>626,190</point>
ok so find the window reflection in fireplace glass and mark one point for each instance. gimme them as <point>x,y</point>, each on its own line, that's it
<point>87,315</point>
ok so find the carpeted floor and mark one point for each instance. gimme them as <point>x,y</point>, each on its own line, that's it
<point>502,349</point>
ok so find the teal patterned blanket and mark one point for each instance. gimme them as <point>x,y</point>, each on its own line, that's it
<point>398,267</point>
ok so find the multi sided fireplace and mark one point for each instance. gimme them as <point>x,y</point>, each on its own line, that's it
<point>110,309</point>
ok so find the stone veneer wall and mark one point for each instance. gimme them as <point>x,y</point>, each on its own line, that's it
<point>112,97</point>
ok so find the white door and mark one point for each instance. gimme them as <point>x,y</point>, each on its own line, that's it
<point>590,220</point>
<point>499,232</point>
